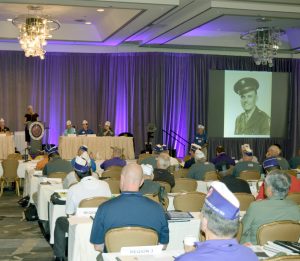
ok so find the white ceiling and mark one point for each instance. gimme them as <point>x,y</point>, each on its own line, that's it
<point>186,24</point>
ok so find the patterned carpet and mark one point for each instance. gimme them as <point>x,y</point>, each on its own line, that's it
<point>20,240</point>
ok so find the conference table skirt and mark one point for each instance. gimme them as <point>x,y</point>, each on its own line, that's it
<point>99,146</point>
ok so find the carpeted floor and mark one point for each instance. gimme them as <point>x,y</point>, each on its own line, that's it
<point>20,240</point>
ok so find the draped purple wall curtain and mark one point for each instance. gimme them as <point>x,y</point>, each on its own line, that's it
<point>130,90</point>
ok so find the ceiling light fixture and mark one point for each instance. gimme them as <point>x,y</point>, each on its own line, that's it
<point>87,22</point>
<point>34,29</point>
<point>9,19</point>
<point>100,10</point>
<point>263,44</point>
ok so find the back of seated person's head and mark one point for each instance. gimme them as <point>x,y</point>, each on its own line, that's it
<point>147,171</point>
<point>52,151</point>
<point>273,151</point>
<point>163,161</point>
<point>82,168</point>
<point>131,177</point>
<point>199,156</point>
<point>277,184</point>
<point>247,152</point>
<point>117,152</point>
<point>220,149</point>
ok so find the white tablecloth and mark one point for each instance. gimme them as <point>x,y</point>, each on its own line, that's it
<point>7,146</point>
<point>55,211</point>
<point>80,248</point>
<point>99,146</point>
<point>19,137</point>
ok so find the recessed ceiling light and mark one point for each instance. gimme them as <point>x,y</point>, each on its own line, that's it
<point>100,10</point>
<point>87,22</point>
<point>9,19</point>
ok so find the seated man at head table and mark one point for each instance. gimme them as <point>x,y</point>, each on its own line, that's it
<point>3,128</point>
<point>87,187</point>
<point>198,170</point>
<point>246,163</point>
<point>275,151</point>
<point>131,208</point>
<point>149,186</point>
<point>274,164</point>
<point>69,128</point>
<point>85,129</point>
<point>83,152</point>
<point>116,159</point>
<point>56,163</point>
<point>106,130</point>
<point>220,224</point>
<point>275,208</point>
<point>161,173</point>
<point>191,161</point>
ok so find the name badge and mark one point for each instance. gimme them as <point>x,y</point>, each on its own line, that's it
<point>86,212</point>
<point>141,250</point>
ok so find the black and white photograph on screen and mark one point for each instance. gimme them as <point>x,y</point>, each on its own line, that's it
<point>248,99</point>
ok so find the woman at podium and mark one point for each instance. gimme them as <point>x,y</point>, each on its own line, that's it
<point>29,117</point>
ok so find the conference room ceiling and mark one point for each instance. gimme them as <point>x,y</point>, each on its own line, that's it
<point>192,24</point>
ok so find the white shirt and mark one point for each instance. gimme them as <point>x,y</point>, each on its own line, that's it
<point>88,187</point>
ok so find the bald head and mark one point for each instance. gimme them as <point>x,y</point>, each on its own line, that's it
<point>273,151</point>
<point>163,160</point>
<point>131,177</point>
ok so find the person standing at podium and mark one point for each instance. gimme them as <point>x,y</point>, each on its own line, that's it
<point>29,117</point>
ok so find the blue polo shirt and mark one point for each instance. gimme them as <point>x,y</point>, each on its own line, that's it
<point>130,209</point>
<point>200,139</point>
<point>85,132</point>
<point>216,250</point>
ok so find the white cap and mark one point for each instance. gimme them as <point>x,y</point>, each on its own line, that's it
<point>199,154</point>
<point>86,156</point>
<point>1,120</point>
<point>68,123</point>
<point>195,147</point>
<point>201,127</point>
<point>84,122</point>
<point>147,169</point>
<point>107,123</point>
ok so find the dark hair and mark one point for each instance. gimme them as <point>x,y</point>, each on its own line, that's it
<point>82,175</point>
<point>52,155</point>
<point>220,149</point>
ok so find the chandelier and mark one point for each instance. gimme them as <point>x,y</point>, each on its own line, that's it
<point>263,44</point>
<point>34,29</point>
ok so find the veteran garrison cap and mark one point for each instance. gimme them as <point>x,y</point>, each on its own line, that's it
<point>245,85</point>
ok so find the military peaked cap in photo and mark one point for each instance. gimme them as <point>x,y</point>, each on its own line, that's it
<point>245,85</point>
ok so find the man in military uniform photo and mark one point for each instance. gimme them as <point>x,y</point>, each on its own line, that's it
<point>253,121</point>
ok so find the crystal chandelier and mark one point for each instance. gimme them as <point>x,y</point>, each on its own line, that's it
<point>263,44</point>
<point>34,29</point>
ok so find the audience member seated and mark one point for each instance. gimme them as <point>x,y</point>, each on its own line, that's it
<point>129,209</point>
<point>87,187</point>
<point>106,130</point>
<point>220,223</point>
<point>56,163</point>
<point>115,160</point>
<point>198,170</point>
<point>246,147</point>
<point>157,149</point>
<point>3,128</point>
<point>83,152</point>
<point>276,208</point>
<point>191,161</point>
<point>247,163</point>
<point>42,163</point>
<point>161,173</point>
<point>222,161</point>
<point>295,162</point>
<point>149,186</point>
<point>69,129</point>
<point>273,164</point>
<point>275,151</point>
<point>85,129</point>
<point>236,185</point>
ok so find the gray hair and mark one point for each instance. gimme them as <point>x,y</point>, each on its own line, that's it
<point>200,159</point>
<point>218,225</point>
<point>279,182</point>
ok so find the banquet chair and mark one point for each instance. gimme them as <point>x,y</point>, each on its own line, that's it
<point>10,167</point>
<point>113,172</point>
<point>210,176</point>
<point>16,156</point>
<point>57,175</point>
<point>190,201</point>
<point>166,185</point>
<point>286,230</point>
<point>181,173</point>
<point>245,200</point>
<point>184,185</point>
<point>143,156</point>
<point>292,172</point>
<point>114,185</point>
<point>117,238</point>
<point>249,175</point>
<point>155,198</point>
<point>295,196</point>
<point>284,258</point>
<point>93,202</point>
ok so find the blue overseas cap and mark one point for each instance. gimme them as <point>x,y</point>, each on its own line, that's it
<point>83,148</point>
<point>270,163</point>
<point>81,165</point>
<point>160,148</point>
<point>222,201</point>
<point>51,149</point>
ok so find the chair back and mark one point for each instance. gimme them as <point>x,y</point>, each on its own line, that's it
<point>181,173</point>
<point>57,175</point>
<point>210,176</point>
<point>291,172</point>
<point>143,156</point>
<point>284,258</point>
<point>117,238</point>
<point>155,198</point>
<point>114,185</point>
<point>295,196</point>
<point>166,185</point>
<point>113,172</point>
<point>93,202</point>
<point>190,201</point>
<point>245,200</point>
<point>16,156</point>
<point>184,185</point>
<point>249,175</point>
<point>285,230</point>
<point>10,167</point>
